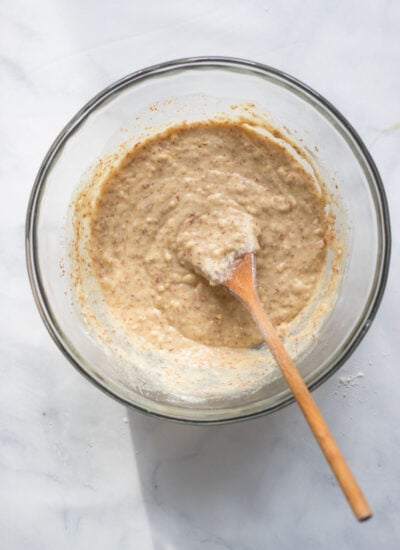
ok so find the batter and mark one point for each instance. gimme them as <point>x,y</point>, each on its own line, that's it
<point>184,202</point>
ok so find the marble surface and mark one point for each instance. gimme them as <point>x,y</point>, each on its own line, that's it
<point>78,470</point>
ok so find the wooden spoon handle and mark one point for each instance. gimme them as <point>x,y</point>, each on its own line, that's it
<point>310,410</point>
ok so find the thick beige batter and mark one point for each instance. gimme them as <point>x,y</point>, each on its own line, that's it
<point>190,198</point>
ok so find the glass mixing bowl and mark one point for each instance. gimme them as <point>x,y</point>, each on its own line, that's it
<point>175,90</point>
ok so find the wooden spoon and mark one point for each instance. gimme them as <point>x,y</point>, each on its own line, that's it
<point>242,284</point>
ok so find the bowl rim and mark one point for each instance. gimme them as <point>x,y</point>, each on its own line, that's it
<point>181,64</point>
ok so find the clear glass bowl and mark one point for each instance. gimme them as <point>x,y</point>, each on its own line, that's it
<point>203,85</point>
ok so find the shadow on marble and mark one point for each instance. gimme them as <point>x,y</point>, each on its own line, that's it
<point>217,486</point>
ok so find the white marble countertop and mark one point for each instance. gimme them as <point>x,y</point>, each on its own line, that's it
<point>78,470</point>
